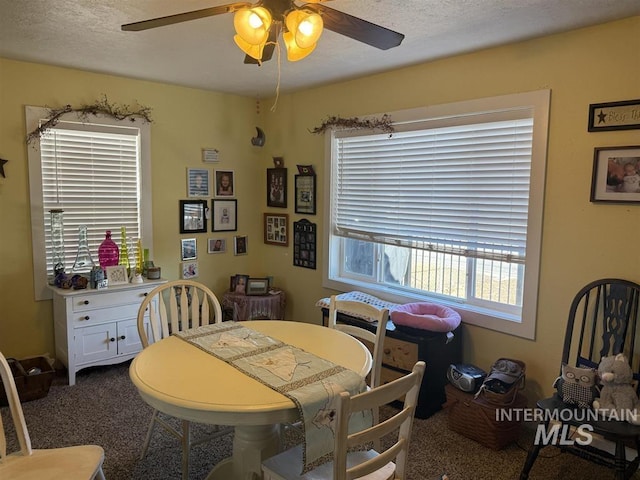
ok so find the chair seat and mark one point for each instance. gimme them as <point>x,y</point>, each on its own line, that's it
<point>70,463</point>
<point>602,427</point>
<point>288,465</point>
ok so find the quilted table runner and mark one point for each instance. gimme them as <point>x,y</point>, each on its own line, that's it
<point>311,382</point>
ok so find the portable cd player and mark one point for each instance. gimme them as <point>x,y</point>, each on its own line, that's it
<point>465,377</point>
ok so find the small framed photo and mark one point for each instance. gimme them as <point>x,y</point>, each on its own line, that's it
<point>188,249</point>
<point>225,215</point>
<point>198,182</point>
<point>193,216</point>
<point>305,194</point>
<point>616,174</point>
<point>276,229</point>
<point>116,275</point>
<point>239,284</point>
<point>240,245</point>
<point>216,245</point>
<point>277,187</point>
<point>257,286</point>
<point>225,183</point>
<point>189,270</point>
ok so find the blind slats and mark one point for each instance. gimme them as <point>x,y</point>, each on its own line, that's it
<point>461,189</point>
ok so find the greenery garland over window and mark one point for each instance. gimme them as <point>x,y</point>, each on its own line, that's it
<point>383,123</point>
<point>102,106</point>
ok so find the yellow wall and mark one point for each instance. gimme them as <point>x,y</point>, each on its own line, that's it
<point>582,241</point>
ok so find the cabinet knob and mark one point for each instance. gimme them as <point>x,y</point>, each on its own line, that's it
<point>86,317</point>
<point>145,294</point>
<point>112,339</point>
<point>122,337</point>
<point>86,302</point>
<point>387,351</point>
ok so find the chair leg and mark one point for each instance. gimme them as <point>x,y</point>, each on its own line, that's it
<point>99,475</point>
<point>147,440</point>
<point>531,458</point>
<point>186,446</point>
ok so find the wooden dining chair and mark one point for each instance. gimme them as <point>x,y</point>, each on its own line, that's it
<point>83,462</point>
<point>174,307</point>
<point>349,462</point>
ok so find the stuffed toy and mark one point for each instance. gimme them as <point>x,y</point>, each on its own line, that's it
<point>616,392</point>
<point>577,386</point>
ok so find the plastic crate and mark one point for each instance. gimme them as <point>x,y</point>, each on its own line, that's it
<point>30,387</point>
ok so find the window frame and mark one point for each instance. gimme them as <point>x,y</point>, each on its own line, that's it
<point>522,326</point>
<point>34,115</point>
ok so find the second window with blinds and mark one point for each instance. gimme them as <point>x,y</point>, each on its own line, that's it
<point>446,209</point>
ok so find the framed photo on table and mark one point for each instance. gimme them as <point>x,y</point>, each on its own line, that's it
<point>193,218</point>
<point>225,215</point>
<point>276,229</point>
<point>257,286</point>
<point>116,275</point>
<point>616,174</point>
<point>305,194</point>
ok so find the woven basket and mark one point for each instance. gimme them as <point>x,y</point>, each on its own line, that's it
<point>476,418</point>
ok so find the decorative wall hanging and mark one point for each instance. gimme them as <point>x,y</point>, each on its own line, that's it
<point>225,215</point>
<point>259,139</point>
<point>240,245</point>
<point>623,115</point>
<point>305,194</point>
<point>304,244</point>
<point>276,229</point>
<point>193,217</point>
<point>210,155</point>
<point>277,187</point>
<point>305,169</point>
<point>100,107</point>
<point>225,183</point>
<point>616,175</point>
<point>198,182</point>
<point>2,162</point>
<point>383,123</point>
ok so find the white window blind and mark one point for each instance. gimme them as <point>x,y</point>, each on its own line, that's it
<point>92,173</point>
<point>458,189</point>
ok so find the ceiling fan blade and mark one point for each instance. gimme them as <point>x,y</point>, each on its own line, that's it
<point>183,17</point>
<point>270,46</point>
<point>357,28</point>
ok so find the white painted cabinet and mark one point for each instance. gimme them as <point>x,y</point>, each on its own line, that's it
<point>98,327</point>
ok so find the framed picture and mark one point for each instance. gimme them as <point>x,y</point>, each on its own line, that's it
<point>305,194</point>
<point>276,229</point>
<point>240,245</point>
<point>616,175</point>
<point>257,286</point>
<point>225,215</point>
<point>193,217</point>
<point>239,284</point>
<point>210,155</point>
<point>216,245</point>
<point>189,270</point>
<point>623,115</point>
<point>116,275</point>
<point>225,183</point>
<point>198,182</point>
<point>188,249</point>
<point>277,187</point>
<point>304,244</point>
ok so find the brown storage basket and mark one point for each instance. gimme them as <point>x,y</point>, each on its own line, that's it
<point>30,387</point>
<point>476,418</point>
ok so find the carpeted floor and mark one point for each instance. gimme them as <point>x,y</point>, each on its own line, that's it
<point>104,408</point>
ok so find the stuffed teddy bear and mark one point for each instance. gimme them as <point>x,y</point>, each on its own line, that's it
<point>617,393</point>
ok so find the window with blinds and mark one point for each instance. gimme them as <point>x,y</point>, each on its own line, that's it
<point>96,170</point>
<point>440,210</point>
<point>93,176</point>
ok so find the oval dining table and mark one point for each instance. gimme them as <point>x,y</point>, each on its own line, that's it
<point>186,382</point>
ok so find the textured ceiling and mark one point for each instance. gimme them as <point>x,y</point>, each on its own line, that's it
<point>86,34</point>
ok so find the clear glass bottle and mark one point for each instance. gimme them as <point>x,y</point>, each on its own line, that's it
<point>84,263</point>
<point>57,241</point>
<point>108,252</point>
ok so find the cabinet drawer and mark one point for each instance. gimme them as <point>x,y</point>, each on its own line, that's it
<point>93,317</point>
<point>399,354</point>
<point>83,303</point>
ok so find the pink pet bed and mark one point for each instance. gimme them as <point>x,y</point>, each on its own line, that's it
<point>426,316</point>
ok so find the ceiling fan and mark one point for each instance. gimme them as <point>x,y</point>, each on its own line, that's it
<point>259,25</point>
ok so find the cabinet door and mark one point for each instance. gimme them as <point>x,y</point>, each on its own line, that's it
<point>95,343</point>
<point>128,337</point>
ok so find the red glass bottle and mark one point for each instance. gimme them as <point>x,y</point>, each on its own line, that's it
<point>108,253</point>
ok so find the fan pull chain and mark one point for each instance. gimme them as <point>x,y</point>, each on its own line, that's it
<point>275,103</point>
